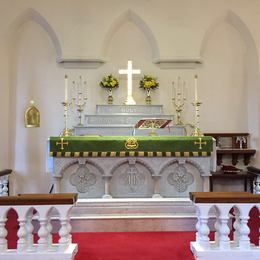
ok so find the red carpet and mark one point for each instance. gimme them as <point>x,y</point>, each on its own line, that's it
<point>132,246</point>
<point>137,246</point>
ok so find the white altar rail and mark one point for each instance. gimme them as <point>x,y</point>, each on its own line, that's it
<point>222,247</point>
<point>28,205</point>
<point>256,172</point>
<point>4,179</point>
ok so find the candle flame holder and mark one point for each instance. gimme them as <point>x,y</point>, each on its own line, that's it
<point>66,131</point>
<point>79,99</point>
<point>197,131</point>
<point>178,100</point>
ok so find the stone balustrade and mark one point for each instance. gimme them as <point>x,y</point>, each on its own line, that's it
<point>4,179</point>
<point>38,206</point>
<point>255,171</point>
<point>222,247</point>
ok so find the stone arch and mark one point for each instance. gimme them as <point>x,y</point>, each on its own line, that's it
<point>125,161</point>
<point>251,68</point>
<point>32,15</point>
<point>234,20</point>
<point>76,161</point>
<point>193,163</point>
<point>131,16</point>
<point>167,165</point>
<point>198,166</point>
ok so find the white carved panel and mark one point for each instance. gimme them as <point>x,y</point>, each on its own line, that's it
<point>131,179</point>
<point>84,179</point>
<point>180,178</point>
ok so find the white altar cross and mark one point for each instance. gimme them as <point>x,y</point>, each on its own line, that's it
<point>129,72</point>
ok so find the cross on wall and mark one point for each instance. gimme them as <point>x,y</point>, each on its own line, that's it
<point>129,72</point>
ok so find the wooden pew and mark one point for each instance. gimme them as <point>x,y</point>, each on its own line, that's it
<point>222,247</point>
<point>26,205</point>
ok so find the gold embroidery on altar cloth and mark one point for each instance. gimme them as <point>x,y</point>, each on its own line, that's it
<point>131,143</point>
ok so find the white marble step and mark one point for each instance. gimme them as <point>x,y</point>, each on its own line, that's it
<point>133,215</point>
<point>127,131</point>
<point>120,120</point>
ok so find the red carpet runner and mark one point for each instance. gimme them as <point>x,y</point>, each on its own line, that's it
<point>132,246</point>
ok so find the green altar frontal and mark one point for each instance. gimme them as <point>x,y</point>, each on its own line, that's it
<point>137,146</point>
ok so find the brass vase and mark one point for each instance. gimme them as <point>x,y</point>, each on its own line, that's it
<point>148,99</point>
<point>110,97</point>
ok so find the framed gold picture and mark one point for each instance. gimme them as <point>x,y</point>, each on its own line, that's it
<point>32,116</point>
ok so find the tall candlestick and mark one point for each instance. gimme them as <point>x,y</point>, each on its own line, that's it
<point>178,99</point>
<point>196,87</point>
<point>66,88</point>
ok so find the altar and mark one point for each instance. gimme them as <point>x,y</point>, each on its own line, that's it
<point>125,175</point>
<point>131,166</point>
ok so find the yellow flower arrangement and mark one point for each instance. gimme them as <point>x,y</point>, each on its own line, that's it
<point>109,81</point>
<point>148,82</point>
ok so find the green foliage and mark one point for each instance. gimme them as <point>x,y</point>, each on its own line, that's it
<point>109,81</point>
<point>148,82</point>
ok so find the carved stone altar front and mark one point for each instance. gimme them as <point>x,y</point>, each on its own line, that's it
<point>131,177</point>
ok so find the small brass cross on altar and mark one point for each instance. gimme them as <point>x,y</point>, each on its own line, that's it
<point>200,143</point>
<point>62,143</point>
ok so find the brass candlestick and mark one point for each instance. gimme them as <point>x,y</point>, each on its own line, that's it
<point>178,99</point>
<point>66,131</point>
<point>197,131</point>
<point>79,98</point>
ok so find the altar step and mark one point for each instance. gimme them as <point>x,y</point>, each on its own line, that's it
<point>121,120</point>
<point>133,215</point>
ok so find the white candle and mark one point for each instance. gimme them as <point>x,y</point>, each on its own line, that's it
<point>183,90</point>
<point>173,90</point>
<point>66,88</point>
<point>196,87</point>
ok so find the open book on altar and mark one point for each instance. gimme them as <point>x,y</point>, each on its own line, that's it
<point>152,123</point>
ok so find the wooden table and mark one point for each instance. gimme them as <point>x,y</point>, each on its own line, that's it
<point>245,176</point>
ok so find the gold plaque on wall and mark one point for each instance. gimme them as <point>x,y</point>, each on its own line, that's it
<point>32,116</point>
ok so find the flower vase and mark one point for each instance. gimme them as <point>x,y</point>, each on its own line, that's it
<point>148,99</point>
<point>110,97</point>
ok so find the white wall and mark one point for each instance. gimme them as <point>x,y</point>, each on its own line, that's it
<point>33,34</point>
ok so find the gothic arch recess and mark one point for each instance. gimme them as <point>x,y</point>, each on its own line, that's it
<point>252,67</point>
<point>234,20</point>
<point>130,16</point>
<point>32,15</point>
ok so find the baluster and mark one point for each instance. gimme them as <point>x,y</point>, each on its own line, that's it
<point>22,232</point>
<point>203,229</point>
<point>244,241</point>
<point>43,232</point>
<point>257,185</point>
<point>64,232</point>
<point>5,186</point>
<point>49,236</point>
<point>1,186</point>
<point>29,227</point>
<point>3,231</point>
<point>69,230</point>
<point>197,226</point>
<point>217,226</point>
<point>236,226</point>
<point>224,241</point>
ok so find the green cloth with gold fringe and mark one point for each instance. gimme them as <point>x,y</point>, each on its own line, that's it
<point>121,146</point>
